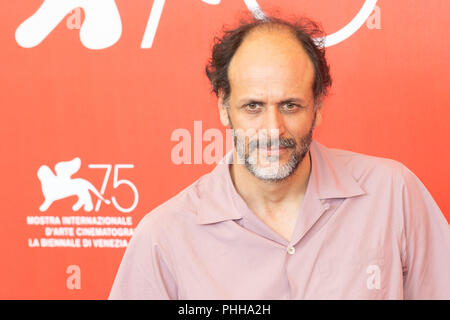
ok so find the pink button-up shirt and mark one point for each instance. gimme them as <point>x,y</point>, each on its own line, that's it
<point>367,229</point>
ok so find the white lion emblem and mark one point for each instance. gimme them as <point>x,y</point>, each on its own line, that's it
<point>61,185</point>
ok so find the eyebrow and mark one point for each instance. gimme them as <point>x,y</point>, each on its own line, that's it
<point>256,101</point>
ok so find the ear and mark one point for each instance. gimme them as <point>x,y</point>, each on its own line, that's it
<point>222,106</point>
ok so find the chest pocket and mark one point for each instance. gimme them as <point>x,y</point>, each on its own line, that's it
<point>353,274</point>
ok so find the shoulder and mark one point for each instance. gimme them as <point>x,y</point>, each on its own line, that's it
<point>180,210</point>
<point>387,183</point>
<point>368,168</point>
<point>378,176</point>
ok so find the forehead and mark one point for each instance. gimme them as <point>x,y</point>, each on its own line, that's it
<point>270,61</point>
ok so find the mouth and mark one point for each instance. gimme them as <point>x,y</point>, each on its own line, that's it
<point>273,150</point>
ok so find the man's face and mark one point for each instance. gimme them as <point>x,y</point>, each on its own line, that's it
<point>271,104</point>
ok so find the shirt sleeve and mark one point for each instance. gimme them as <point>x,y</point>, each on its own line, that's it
<point>143,272</point>
<point>425,243</point>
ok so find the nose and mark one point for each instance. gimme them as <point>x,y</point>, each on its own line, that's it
<point>274,121</point>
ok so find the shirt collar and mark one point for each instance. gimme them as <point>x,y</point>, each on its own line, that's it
<point>216,192</point>
<point>332,177</point>
<point>329,178</point>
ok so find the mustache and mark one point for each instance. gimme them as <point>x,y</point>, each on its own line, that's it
<point>268,143</point>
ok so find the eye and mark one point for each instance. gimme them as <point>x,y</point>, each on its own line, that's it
<point>290,107</point>
<point>252,107</point>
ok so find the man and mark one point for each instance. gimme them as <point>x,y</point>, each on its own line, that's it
<point>284,217</point>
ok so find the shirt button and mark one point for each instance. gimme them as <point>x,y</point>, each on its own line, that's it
<point>291,250</point>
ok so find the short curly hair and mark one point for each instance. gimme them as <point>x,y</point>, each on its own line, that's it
<point>309,33</point>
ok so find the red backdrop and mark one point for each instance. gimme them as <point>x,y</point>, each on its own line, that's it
<point>120,105</point>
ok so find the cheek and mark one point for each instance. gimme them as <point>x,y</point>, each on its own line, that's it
<point>298,128</point>
<point>243,121</point>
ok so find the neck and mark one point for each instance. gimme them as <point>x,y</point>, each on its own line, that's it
<point>266,198</point>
